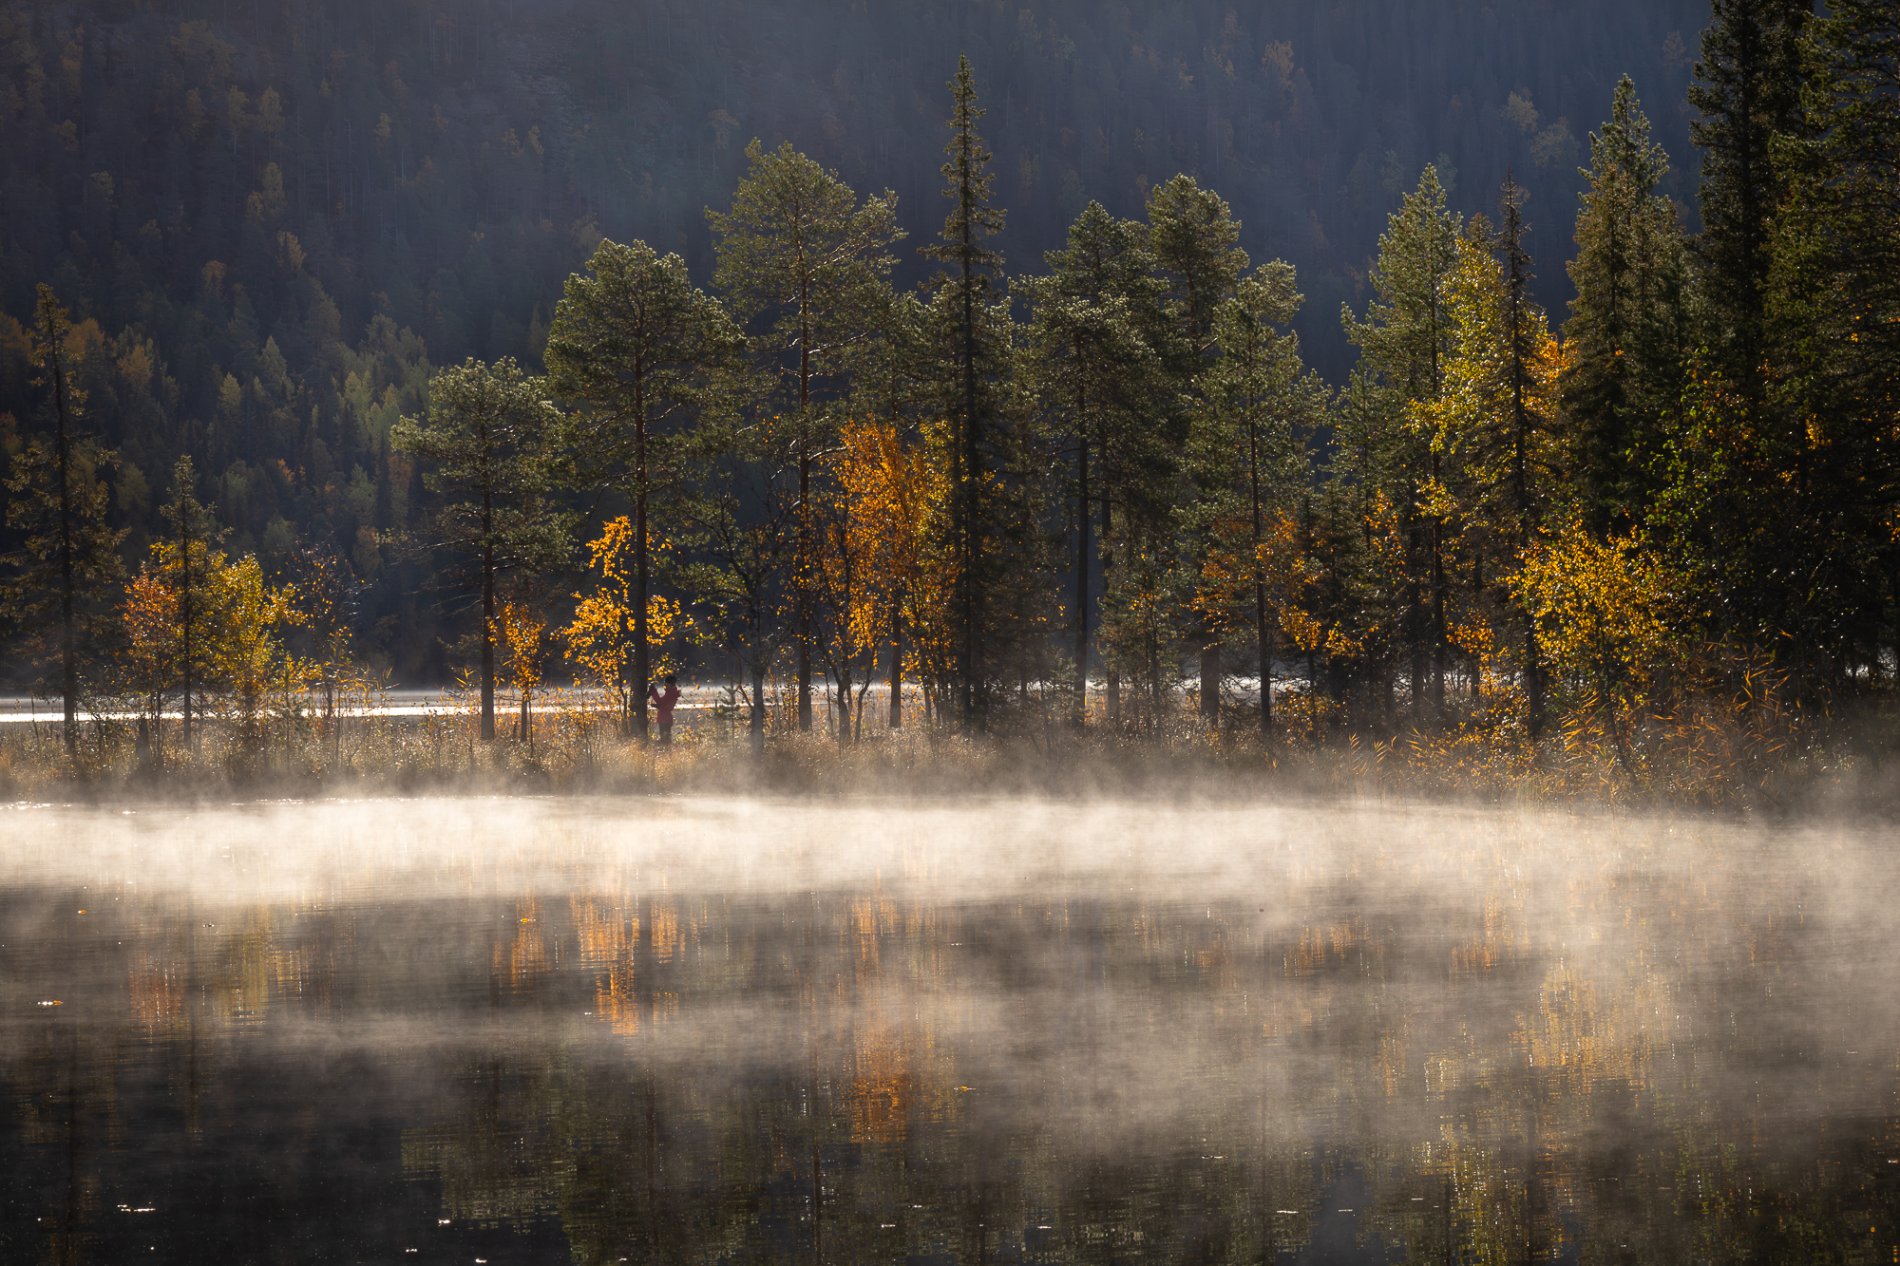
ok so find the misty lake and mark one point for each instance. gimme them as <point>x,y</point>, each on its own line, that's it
<point>693,1030</point>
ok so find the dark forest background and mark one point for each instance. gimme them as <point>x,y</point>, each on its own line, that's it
<point>271,217</point>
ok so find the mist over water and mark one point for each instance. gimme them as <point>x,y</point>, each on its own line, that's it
<point>758,1030</point>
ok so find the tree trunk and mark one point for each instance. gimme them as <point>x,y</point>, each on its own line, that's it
<point>185,614</point>
<point>1266,668</point>
<point>487,618</point>
<point>897,665</point>
<point>801,586</point>
<point>758,708</point>
<point>642,666</point>
<point>801,581</point>
<point>1210,684</point>
<point>1108,564</point>
<point>68,648</point>
<point>844,708</point>
<point>972,475</point>
<point>1438,611</point>
<point>1082,584</point>
<point>1263,633</point>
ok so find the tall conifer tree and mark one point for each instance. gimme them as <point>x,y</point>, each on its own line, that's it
<point>67,556</point>
<point>1195,239</point>
<point>1405,340</point>
<point>1256,404</point>
<point>1747,91</point>
<point>1835,327</point>
<point>1623,336</point>
<point>969,263</point>
<point>1098,360</point>
<point>798,249</point>
<point>644,354</point>
<point>489,442</point>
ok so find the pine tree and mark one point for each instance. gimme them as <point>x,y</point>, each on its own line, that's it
<point>797,247</point>
<point>964,288</point>
<point>66,560</point>
<point>489,442</point>
<point>1404,341</point>
<point>1835,333</point>
<point>1256,402</point>
<point>1097,362</point>
<point>1533,358</point>
<point>1624,336</point>
<point>643,354</point>
<point>1747,90</point>
<point>189,561</point>
<point>1195,238</point>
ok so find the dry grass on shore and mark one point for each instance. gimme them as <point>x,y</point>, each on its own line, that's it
<point>1695,760</point>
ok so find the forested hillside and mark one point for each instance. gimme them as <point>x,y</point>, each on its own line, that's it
<point>1475,371</point>
<point>276,215</point>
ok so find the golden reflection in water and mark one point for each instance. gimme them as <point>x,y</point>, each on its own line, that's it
<point>870,1074</point>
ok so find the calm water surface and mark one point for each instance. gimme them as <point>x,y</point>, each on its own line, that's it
<point>703,1031</point>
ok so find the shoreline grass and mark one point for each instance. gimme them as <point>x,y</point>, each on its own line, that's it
<point>1691,764</point>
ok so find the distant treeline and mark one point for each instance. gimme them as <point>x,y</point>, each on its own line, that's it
<point>1050,496</point>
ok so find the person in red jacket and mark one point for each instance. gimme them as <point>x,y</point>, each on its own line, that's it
<point>663,702</point>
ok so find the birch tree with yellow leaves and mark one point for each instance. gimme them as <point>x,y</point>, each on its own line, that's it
<point>877,550</point>
<point>600,640</point>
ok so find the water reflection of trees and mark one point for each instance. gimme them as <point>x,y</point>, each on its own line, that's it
<point>872,1077</point>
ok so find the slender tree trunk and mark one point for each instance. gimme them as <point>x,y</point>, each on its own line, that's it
<point>1521,439</point>
<point>1211,673</point>
<point>1108,564</point>
<point>488,620</point>
<point>1312,691</point>
<point>1263,631</point>
<point>1437,540</point>
<point>1154,674</point>
<point>801,580</point>
<point>642,580</point>
<point>897,664</point>
<point>69,651</point>
<point>189,651</point>
<point>1415,620</point>
<point>1266,662</point>
<point>972,452</point>
<point>1082,581</point>
<point>758,708</point>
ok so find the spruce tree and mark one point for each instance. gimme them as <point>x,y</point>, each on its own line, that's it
<point>189,562</point>
<point>1835,332</point>
<point>1195,237</point>
<point>964,288</point>
<point>1624,334</point>
<point>1404,342</point>
<point>1255,404</point>
<point>1098,359</point>
<point>1747,91</point>
<point>66,559</point>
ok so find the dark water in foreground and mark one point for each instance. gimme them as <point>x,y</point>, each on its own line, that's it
<point>704,1032</point>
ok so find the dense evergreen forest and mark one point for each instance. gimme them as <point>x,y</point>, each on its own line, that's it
<point>1500,371</point>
